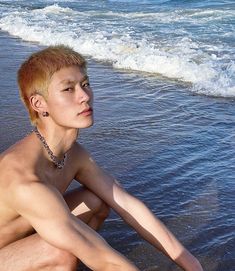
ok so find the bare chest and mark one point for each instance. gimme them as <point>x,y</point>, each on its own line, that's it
<point>59,178</point>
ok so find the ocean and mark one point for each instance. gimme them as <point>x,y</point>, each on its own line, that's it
<point>163,78</point>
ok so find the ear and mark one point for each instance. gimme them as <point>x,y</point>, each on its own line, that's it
<point>38,103</point>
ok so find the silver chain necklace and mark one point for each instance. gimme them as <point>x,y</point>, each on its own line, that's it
<point>58,163</point>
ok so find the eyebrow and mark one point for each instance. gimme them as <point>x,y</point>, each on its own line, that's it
<point>68,81</point>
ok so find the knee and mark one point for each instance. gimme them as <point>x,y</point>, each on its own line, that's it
<point>60,259</point>
<point>103,211</point>
<point>98,206</point>
<point>65,261</point>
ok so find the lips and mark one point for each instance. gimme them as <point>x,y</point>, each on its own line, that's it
<point>86,111</point>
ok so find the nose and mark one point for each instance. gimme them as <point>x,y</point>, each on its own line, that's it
<point>83,94</point>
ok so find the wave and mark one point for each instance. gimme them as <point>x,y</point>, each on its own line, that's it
<point>161,16</point>
<point>55,9</point>
<point>181,59</point>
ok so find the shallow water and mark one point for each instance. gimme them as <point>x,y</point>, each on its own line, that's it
<point>175,151</point>
<point>169,147</point>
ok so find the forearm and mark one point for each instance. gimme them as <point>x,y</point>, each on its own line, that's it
<point>155,232</point>
<point>99,255</point>
<point>88,246</point>
<point>57,226</point>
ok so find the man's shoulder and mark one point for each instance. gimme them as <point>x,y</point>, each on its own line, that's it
<point>13,177</point>
<point>9,164</point>
<point>18,157</point>
<point>13,169</point>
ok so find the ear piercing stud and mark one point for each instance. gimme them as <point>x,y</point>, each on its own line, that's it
<point>45,114</point>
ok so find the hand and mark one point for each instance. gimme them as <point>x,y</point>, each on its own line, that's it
<point>188,262</point>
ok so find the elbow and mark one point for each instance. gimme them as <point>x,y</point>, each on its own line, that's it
<point>59,234</point>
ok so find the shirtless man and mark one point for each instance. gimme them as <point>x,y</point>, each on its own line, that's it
<point>42,226</point>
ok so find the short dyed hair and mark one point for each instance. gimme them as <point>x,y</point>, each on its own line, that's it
<point>35,73</point>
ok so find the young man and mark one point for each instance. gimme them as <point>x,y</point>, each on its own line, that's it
<point>43,227</point>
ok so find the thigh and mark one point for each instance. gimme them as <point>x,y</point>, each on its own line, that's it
<point>31,254</point>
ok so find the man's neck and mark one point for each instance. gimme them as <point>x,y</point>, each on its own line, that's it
<point>59,139</point>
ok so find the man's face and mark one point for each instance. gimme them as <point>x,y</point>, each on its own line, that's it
<point>70,98</point>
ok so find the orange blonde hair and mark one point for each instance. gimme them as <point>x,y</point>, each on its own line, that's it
<point>35,73</point>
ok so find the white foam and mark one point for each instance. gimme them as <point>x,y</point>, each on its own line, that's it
<point>221,85</point>
<point>56,9</point>
<point>181,59</point>
<point>172,16</point>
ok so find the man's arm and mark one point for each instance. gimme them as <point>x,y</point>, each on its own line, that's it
<point>134,212</point>
<point>44,207</point>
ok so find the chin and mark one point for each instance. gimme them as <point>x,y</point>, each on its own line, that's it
<point>86,124</point>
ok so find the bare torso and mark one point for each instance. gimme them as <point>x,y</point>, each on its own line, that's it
<point>21,158</point>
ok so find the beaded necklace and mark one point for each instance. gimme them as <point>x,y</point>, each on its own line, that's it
<point>58,163</point>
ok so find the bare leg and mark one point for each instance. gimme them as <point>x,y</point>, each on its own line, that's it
<point>34,254</point>
<point>87,206</point>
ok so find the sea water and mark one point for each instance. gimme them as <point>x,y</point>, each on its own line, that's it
<point>163,78</point>
<point>189,41</point>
